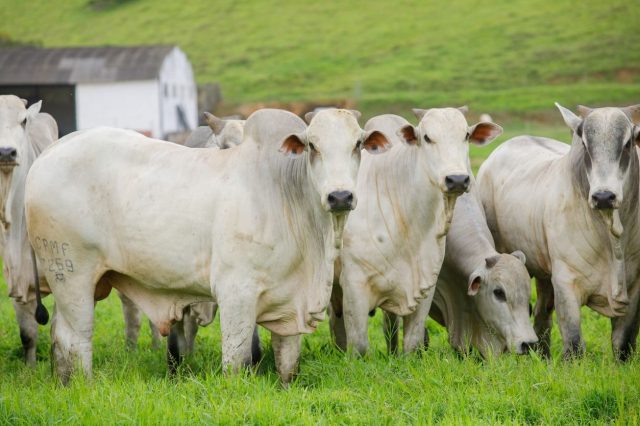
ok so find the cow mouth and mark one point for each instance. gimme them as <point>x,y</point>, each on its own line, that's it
<point>7,165</point>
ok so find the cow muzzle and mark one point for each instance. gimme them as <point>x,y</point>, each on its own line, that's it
<point>604,200</point>
<point>457,184</point>
<point>523,348</point>
<point>341,201</point>
<point>8,157</point>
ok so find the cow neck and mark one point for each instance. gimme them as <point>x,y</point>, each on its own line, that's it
<point>16,248</point>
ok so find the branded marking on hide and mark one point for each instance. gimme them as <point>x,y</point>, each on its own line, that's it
<point>55,257</point>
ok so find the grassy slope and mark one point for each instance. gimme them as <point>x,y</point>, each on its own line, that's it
<point>514,56</point>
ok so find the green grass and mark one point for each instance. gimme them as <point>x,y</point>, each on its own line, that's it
<point>513,56</point>
<point>333,388</point>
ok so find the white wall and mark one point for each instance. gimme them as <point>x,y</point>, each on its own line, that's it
<point>177,87</point>
<point>131,105</point>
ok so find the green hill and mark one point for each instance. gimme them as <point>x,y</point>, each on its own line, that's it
<point>506,56</point>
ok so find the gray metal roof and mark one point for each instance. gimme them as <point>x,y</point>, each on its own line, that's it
<point>69,65</point>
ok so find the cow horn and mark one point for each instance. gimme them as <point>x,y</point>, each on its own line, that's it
<point>491,261</point>
<point>216,124</point>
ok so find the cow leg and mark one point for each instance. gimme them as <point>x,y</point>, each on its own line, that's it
<point>568,312</point>
<point>256,351</point>
<point>71,334</point>
<point>176,346</point>
<point>413,325</point>
<point>624,330</point>
<point>156,337</point>
<point>132,317</point>
<point>237,323</point>
<point>286,350</point>
<point>543,316</point>
<point>190,330</point>
<point>391,327</point>
<point>356,320</point>
<point>336,318</point>
<point>25,315</point>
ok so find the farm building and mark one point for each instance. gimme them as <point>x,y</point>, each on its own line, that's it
<point>150,89</point>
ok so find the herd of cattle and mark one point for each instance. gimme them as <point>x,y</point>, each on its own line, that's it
<point>258,219</point>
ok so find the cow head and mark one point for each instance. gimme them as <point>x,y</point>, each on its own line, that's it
<point>608,136</point>
<point>334,141</point>
<point>501,290</point>
<point>14,117</point>
<point>445,136</point>
<point>228,133</point>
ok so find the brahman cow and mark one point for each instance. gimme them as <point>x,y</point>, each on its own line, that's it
<point>394,241</point>
<point>24,134</point>
<point>482,296</point>
<point>252,229</point>
<point>573,211</point>
<point>220,133</point>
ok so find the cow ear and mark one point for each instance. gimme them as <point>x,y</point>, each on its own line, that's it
<point>419,113</point>
<point>520,255</point>
<point>34,109</point>
<point>408,134</point>
<point>293,145</point>
<point>216,124</point>
<point>375,142</point>
<point>357,114</point>
<point>571,120</point>
<point>483,133</point>
<point>475,281</point>
<point>463,109</point>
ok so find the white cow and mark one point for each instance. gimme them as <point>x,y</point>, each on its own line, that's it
<point>394,242</point>
<point>573,211</point>
<point>482,296</point>
<point>252,229</point>
<point>220,133</point>
<point>24,133</point>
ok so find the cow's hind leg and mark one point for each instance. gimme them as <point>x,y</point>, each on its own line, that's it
<point>25,315</point>
<point>176,346</point>
<point>624,330</point>
<point>543,316</point>
<point>287,354</point>
<point>72,326</point>
<point>391,328</point>
<point>132,317</point>
<point>156,337</point>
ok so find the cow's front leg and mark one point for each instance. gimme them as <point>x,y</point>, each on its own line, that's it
<point>132,317</point>
<point>25,315</point>
<point>413,336</point>
<point>356,319</point>
<point>237,323</point>
<point>176,346</point>
<point>567,306</point>
<point>624,330</point>
<point>286,350</point>
<point>543,316</point>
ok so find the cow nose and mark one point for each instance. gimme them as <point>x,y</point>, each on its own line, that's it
<point>340,200</point>
<point>604,199</point>
<point>525,347</point>
<point>8,154</point>
<point>457,183</point>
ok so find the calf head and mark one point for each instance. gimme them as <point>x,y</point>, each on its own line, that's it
<point>501,290</point>
<point>228,133</point>
<point>444,135</point>
<point>333,141</point>
<point>608,137</point>
<point>14,117</point>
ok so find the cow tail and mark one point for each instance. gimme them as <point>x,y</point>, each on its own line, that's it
<point>41,314</point>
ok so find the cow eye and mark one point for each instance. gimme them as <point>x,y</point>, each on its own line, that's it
<point>358,145</point>
<point>312,147</point>
<point>427,140</point>
<point>24,122</point>
<point>499,294</point>
<point>467,136</point>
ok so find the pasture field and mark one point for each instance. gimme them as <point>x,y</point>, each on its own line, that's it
<point>436,386</point>
<point>514,56</point>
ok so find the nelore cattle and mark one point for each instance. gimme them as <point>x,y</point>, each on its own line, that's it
<point>394,242</point>
<point>24,134</point>
<point>573,211</point>
<point>252,229</point>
